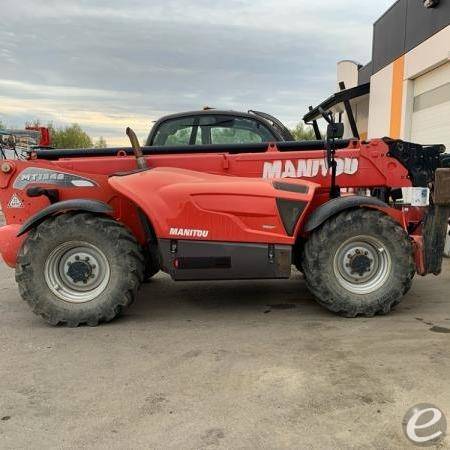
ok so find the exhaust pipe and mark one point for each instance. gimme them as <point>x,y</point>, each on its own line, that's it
<point>137,150</point>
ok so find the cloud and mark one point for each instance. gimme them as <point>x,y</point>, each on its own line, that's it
<point>108,64</point>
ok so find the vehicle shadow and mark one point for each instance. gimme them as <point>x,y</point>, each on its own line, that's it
<point>162,297</point>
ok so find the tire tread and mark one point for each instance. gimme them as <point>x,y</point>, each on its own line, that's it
<point>120,238</point>
<point>313,263</point>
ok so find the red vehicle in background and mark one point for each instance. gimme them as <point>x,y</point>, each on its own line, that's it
<point>45,138</point>
<point>14,144</point>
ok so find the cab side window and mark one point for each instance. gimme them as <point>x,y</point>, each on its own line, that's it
<point>234,130</point>
<point>211,129</point>
<point>182,131</point>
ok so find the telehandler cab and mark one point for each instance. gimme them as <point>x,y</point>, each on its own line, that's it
<point>84,229</point>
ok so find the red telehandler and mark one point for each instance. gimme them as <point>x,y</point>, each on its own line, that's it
<point>86,227</point>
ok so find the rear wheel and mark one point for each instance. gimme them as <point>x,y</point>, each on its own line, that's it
<point>79,269</point>
<point>360,262</point>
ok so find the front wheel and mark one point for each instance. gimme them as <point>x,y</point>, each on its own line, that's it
<point>79,268</point>
<point>359,262</point>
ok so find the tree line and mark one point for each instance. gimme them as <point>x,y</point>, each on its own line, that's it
<point>73,136</point>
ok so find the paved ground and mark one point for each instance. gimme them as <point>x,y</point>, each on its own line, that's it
<point>213,365</point>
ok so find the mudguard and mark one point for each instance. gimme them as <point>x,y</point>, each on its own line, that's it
<point>10,243</point>
<point>337,205</point>
<point>82,205</point>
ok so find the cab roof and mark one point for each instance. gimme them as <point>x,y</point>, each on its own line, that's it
<point>279,130</point>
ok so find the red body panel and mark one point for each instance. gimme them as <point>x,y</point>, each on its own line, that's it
<point>228,208</point>
<point>360,165</point>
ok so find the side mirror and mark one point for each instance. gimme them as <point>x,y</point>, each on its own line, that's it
<point>335,131</point>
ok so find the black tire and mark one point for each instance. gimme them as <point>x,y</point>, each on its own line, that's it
<point>328,268</point>
<point>119,275</point>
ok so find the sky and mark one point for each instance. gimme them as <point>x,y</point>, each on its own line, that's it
<point>111,64</point>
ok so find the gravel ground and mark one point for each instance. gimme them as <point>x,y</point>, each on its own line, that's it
<point>254,364</point>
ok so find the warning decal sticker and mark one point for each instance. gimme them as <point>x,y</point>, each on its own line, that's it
<point>15,202</point>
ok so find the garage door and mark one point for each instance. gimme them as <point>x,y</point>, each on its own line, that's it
<point>431,111</point>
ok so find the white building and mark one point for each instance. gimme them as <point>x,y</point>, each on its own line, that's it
<point>404,92</point>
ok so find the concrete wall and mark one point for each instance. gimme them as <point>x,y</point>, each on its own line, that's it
<point>380,103</point>
<point>361,111</point>
<point>428,55</point>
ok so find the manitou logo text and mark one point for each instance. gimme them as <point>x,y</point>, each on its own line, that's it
<point>308,168</point>
<point>187,232</point>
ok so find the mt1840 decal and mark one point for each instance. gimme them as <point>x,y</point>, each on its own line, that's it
<point>308,168</point>
<point>33,175</point>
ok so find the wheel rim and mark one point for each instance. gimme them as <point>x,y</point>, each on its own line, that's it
<point>77,272</point>
<point>362,264</point>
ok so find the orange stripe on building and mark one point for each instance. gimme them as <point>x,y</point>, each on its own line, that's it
<point>397,97</point>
